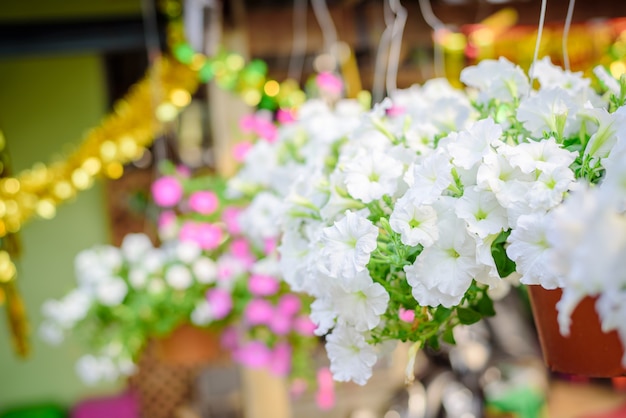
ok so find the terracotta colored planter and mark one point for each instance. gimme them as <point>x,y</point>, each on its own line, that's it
<point>587,351</point>
<point>189,346</point>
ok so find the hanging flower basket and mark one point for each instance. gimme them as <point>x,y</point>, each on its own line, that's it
<point>188,345</point>
<point>587,351</point>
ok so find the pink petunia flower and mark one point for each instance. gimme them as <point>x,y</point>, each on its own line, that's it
<point>220,301</point>
<point>329,82</point>
<point>240,150</point>
<point>167,191</point>
<point>263,285</point>
<point>230,216</point>
<point>204,202</point>
<point>280,364</point>
<point>304,326</point>
<point>406,315</point>
<point>259,312</point>
<point>254,354</point>
<point>289,304</point>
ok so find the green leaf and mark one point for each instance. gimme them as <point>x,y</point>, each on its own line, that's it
<point>485,306</point>
<point>504,264</point>
<point>441,314</point>
<point>433,342</point>
<point>468,316</point>
<point>448,336</point>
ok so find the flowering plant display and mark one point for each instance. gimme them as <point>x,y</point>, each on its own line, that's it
<point>205,272</point>
<point>406,221</point>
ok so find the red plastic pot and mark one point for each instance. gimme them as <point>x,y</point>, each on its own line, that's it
<point>587,351</point>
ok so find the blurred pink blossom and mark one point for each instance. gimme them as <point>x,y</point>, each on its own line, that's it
<point>167,191</point>
<point>259,312</point>
<point>220,301</point>
<point>254,354</point>
<point>263,285</point>
<point>204,202</point>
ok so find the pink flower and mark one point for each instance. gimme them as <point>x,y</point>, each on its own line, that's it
<point>298,387</point>
<point>262,285</point>
<point>329,82</point>
<point>280,363</point>
<point>269,245</point>
<point>229,267</point>
<point>206,235</point>
<point>183,171</point>
<point>167,191</point>
<point>325,379</point>
<point>280,325</point>
<point>259,312</point>
<point>240,150</point>
<point>254,354</point>
<point>220,301</point>
<point>285,116</point>
<point>325,399</point>
<point>406,315</point>
<point>229,338</point>
<point>209,236</point>
<point>396,110</point>
<point>289,304</point>
<point>240,248</point>
<point>266,130</point>
<point>204,202</point>
<point>304,326</point>
<point>248,123</point>
<point>230,216</point>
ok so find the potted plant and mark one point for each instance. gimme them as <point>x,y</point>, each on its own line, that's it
<point>408,221</point>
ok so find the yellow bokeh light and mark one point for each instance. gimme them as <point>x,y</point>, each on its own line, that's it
<point>180,97</point>
<point>46,209</point>
<point>80,179</point>
<point>197,62</point>
<point>7,268</point>
<point>92,166</point>
<point>11,186</point>
<point>454,42</point>
<point>114,170</point>
<point>63,190</point>
<point>272,88</point>
<point>235,62</point>
<point>128,147</point>
<point>251,97</point>
<point>108,150</point>
<point>166,112</point>
<point>11,207</point>
<point>482,37</point>
<point>617,68</point>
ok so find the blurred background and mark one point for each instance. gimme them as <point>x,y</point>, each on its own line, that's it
<point>63,63</point>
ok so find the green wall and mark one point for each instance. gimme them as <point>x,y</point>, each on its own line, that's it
<point>47,103</point>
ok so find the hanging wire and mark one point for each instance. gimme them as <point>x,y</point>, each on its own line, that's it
<point>436,25</point>
<point>329,32</point>
<point>566,28</point>
<point>542,18</point>
<point>396,44</point>
<point>382,54</point>
<point>153,47</point>
<point>298,46</point>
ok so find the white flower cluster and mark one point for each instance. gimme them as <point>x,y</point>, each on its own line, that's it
<point>426,184</point>
<point>107,277</point>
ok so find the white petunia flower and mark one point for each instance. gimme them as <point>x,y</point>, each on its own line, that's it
<point>416,224</point>
<point>549,111</point>
<point>179,277</point>
<point>501,80</point>
<point>370,176</point>
<point>482,212</point>
<point>92,369</point>
<point>610,126</point>
<point>351,358</point>
<point>362,306</point>
<point>468,147</point>
<point>544,155</point>
<point>446,268</point>
<point>430,178</point>
<point>509,183</point>
<point>204,270</point>
<point>323,315</point>
<point>134,246</point>
<point>347,245</point>
<point>187,251</point>
<point>529,249</point>
<point>112,292</point>
<point>202,314</point>
<point>138,278</point>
